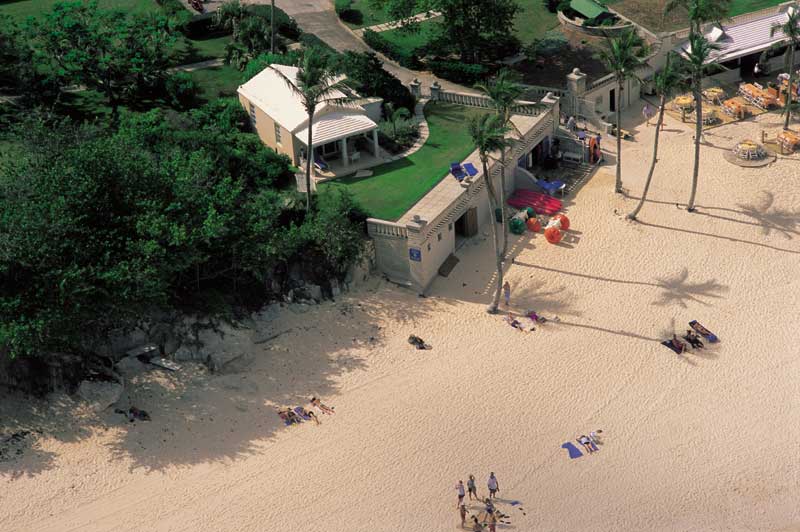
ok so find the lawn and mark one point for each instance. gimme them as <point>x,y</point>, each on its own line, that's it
<point>533,20</point>
<point>22,9</point>
<point>739,7</point>
<point>395,187</point>
<point>409,41</point>
<point>371,16</point>
<point>217,81</point>
<point>200,49</point>
<point>649,13</point>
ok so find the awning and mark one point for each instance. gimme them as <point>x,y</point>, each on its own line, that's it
<point>335,126</point>
<point>587,8</point>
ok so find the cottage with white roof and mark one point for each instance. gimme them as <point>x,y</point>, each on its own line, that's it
<point>344,130</point>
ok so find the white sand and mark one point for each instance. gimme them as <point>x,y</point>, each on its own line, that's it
<point>707,441</point>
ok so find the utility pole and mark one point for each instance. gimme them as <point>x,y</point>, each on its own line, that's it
<point>272,28</point>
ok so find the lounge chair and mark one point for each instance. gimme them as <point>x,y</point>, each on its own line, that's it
<point>457,171</point>
<point>552,186</point>
<point>470,169</point>
<point>320,164</point>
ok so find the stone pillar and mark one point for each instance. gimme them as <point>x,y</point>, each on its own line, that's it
<point>414,87</point>
<point>435,90</point>
<point>576,88</point>
<point>552,103</point>
<point>345,160</point>
<point>376,149</point>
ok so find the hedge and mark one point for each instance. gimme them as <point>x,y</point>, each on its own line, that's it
<point>464,73</point>
<point>378,43</point>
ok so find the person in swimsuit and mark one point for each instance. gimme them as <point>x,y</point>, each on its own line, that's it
<point>462,510</point>
<point>693,339</point>
<point>514,322</point>
<point>587,443</point>
<point>491,521</point>
<point>461,492</point>
<point>325,409</point>
<point>493,485</point>
<point>471,489</point>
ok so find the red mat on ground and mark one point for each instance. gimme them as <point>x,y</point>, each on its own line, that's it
<point>541,203</point>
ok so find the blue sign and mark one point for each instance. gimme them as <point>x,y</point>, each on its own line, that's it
<point>415,254</point>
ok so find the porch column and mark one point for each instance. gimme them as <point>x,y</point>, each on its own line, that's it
<point>376,150</point>
<point>345,159</point>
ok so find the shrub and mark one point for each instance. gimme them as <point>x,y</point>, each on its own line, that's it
<point>551,5</point>
<point>347,13</point>
<point>175,10</point>
<point>259,63</point>
<point>464,73</point>
<point>379,43</point>
<point>284,24</point>
<point>181,90</point>
<point>309,40</point>
<point>399,135</point>
<point>552,44</point>
<point>365,73</point>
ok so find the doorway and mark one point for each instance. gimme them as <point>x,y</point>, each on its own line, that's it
<point>466,226</point>
<point>612,100</point>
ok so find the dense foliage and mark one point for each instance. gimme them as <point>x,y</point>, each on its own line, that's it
<point>99,225</point>
<point>365,73</point>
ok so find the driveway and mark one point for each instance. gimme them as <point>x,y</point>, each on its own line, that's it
<point>319,18</point>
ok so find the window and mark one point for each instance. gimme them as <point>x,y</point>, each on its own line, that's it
<point>252,109</point>
<point>429,247</point>
<point>439,237</point>
<point>450,226</point>
<point>277,133</point>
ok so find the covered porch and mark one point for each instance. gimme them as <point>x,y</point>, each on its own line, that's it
<point>342,145</point>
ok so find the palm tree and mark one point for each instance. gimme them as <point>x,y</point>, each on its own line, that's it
<point>665,81</point>
<point>315,84</point>
<point>696,60</point>
<point>621,58</point>
<point>791,30</point>
<point>504,90</point>
<point>700,11</point>
<point>272,28</point>
<point>229,17</point>
<point>488,133</point>
<point>394,116</point>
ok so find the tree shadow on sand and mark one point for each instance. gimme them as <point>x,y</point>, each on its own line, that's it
<point>678,290</point>
<point>200,417</point>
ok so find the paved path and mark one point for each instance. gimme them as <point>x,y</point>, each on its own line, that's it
<point>386,26</point>
<point>319,18</point>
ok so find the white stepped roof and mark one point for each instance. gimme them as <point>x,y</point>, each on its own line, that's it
<point>742,39</point>
<point>269,91</point>
<point>336,125</point>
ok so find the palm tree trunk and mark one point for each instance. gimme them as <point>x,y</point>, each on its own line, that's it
<point>698,133</point>
<point>497,252</point>
<point>618,183</point>
<point>309,163</point>
<point>503,202</point>
<point>272,28</point>
<point>632,215</point>
<point>789,89</point>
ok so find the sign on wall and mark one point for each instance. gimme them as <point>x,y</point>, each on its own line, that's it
<point>415,254</point>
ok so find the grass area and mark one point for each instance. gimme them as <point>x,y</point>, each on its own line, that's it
<point>739,7</point>
<point>408,41</point>
<point>371,16</point>
<point>218,81</point>
<point>649,13</point>
<point>533,20</point>
<point>196,50</point>
<point>22,9</point>
<point>395,187</point>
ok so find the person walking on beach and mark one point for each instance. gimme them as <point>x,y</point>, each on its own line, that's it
<point>491,521</point>
<point>462,510</point>
<point>493,485</point>
<point>507,293</point>
<point>461,492</point>
<point>471,488</point>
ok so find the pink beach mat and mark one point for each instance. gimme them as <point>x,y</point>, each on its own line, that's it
<point>541,203</point>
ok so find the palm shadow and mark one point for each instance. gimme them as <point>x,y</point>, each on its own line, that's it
<point>678,290</point>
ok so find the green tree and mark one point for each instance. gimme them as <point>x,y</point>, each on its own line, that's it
<point>488,133</point>
<point>666,82</point>
<point>699,12</point>
<point>620,56</point>
<point>696,61</point>
<point>119,55</point>
<point>791,30</point>
<point>394,116</point>
<point>504,90</point>
<point>315,84</point>
<point>16,57</point>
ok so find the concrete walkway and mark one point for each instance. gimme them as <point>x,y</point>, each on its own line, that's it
<point>319,18</point>
<point>386,26</point>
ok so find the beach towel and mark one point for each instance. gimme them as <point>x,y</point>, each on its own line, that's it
<point>541,203</point>
<point>668,343</point>
<point>573,451</point>
<point>550,186</point>
<point>285,419</point>
<point>702,331</point>
<point>299,411</point>
<point>470,169</point>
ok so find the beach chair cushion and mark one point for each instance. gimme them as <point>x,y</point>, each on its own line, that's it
<point>470,169</point>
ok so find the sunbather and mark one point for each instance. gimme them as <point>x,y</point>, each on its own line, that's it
<point>587,443</point>
<point>309,414</point>
<point>292,416</point>
<point>677,344</point>
<point>514,322</point>
<point>325,409</point>
<point>693,339</point>
<point>418,342</point>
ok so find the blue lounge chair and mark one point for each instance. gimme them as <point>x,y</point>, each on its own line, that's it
<point>457,171</point>
<point>551,186</point>
<point>470,169</point>
<point>320,163</point>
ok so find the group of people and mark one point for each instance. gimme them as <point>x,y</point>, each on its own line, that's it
<point>691,337</point>
<point>490,515</point>
<point>298,415</point>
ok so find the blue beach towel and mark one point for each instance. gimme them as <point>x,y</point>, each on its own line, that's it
<point>574,452</point>
<point>470,169</point>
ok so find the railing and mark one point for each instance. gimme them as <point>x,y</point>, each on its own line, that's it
<point>477,100</point>
<point>382,228</point>
<point>605,80</point>
<point>537,91</point>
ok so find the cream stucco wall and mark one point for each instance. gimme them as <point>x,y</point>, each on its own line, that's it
<point>265,127</point>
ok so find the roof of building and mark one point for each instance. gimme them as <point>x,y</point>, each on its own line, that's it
<point>587,8</point>
<point>743,39</point>
<point>336,125</point>
<point>270,92</point>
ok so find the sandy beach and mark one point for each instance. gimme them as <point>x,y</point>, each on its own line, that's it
<point>706,441</point>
